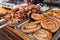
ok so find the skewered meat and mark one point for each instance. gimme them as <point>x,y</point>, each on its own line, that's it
<point>30,27</point>
<point>34,10</point>
<point>15,17</point>
<point>42,35</point>
<point>37,7</point>
<point>17,9</point>
<point>26,9</point>
<point>18,14</point>
<point>37,16</point>
<point>31,8</point>
<point>50,23</point>
<point>29,12</point>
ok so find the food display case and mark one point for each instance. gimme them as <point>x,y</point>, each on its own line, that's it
<point>19,21</point>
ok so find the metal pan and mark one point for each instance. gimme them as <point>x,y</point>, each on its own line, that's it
<point>57,35</point>
<point>18,28</point>
<point>6,23</point>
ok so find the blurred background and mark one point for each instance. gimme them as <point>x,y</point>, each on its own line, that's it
<point>20,1</point>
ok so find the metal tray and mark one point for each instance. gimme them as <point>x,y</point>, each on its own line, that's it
<point>18,27</point>
<point>57,35</point>
<point>6,23</point>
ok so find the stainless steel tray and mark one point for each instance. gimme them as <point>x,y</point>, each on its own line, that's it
<point>19,26</point>
<point>57,35</point>
<point>6,23</point>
